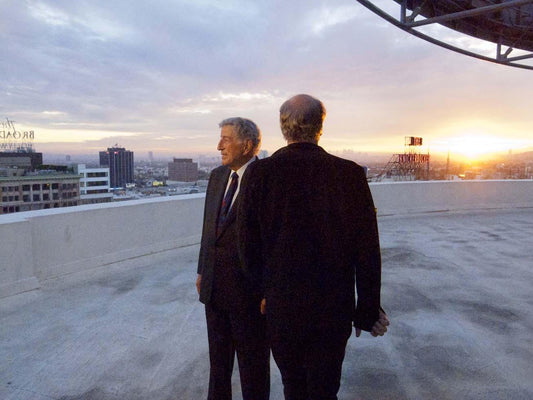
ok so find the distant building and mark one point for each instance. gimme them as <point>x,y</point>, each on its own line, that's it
<point>25,160</point>
<point>94,184</point>
<point>120,164</point>
<point>11,172</point>
<point>37,192</point>
<point>183,170</point>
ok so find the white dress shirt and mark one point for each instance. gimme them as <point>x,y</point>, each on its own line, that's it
<point>240,173</point>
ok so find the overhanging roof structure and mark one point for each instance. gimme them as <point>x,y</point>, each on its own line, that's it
<point>508,24</point>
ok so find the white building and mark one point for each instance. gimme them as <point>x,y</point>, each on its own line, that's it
<point>94,184</point>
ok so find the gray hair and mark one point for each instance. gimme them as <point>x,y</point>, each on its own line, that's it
<point>245,130</point>
<point>301,118</point>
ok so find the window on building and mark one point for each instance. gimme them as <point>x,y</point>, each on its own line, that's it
<point>36,186</point>
<point>36,197</point>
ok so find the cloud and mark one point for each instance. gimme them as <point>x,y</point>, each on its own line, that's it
<point>48,15</point>
<point>167,72</point>
<point>328,17</point>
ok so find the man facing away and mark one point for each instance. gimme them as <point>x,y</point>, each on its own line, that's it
<point>232,304</point>
<point>308,232</point>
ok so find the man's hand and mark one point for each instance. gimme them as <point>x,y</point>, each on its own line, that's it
<point>380,326</point>
<point>198,281</point>
<point>263,306</point>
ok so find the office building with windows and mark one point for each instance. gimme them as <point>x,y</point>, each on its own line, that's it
<point>23,160</point>
<point>37,192</point>
<point>183,170</point>
<point>120,164</point>
<point>94,184</point>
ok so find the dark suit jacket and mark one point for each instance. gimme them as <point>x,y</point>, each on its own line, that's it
<point>308,232</point>
<point>222,276</point>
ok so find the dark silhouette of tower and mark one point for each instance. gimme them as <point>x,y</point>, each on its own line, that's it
<point>120,163</point>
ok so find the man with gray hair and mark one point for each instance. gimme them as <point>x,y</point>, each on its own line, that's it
<point>232,303</point>
<point>308,232</point>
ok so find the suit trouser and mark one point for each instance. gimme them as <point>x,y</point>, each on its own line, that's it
<point>310,360</point>
<point>242,332</point>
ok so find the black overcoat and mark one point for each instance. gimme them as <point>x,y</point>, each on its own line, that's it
<point>308,233</point>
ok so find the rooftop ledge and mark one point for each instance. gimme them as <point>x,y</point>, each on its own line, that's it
<point>46,244</point>
<point>99,301</point>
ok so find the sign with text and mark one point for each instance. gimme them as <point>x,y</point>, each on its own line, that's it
<point>12,139</point>
<point>413,141</point>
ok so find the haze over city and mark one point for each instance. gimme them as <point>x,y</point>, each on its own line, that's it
<point>160,76</point>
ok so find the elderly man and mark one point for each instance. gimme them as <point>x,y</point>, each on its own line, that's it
<point>308,233</point>
<point>232,304</point>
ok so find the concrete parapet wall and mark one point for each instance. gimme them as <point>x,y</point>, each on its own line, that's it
<point>398,198</point>
<point>16,257</point>
<point>37,246</point>
<point>40,245</point>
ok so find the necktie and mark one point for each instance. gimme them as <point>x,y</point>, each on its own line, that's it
<point>226,203</point>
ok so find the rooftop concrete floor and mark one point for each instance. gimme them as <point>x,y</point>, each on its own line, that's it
<point>457,287</point>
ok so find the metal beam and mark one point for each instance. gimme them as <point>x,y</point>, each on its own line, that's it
<point>518,58</point>
<point>469,13</point>
<point>500,59</point>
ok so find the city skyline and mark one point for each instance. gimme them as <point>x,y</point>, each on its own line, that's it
<point>84,76</point>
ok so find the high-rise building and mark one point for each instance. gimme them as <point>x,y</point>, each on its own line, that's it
<point>120,164</point>
<point>183,170</point>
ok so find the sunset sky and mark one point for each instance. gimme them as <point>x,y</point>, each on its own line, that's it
<point>160,75</point>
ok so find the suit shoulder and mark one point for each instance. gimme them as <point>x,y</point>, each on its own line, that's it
<point>259,165</point>
<point>218,171</point>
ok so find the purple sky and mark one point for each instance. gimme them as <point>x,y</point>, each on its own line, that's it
<point>158,76</point>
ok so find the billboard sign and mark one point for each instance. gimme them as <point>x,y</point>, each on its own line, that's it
<point>14,140</point>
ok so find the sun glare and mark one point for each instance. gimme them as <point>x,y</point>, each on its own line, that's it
<point>478,147</point>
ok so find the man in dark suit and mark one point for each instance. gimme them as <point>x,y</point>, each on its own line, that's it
<point>232,303</point>
<point>308,232</point>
